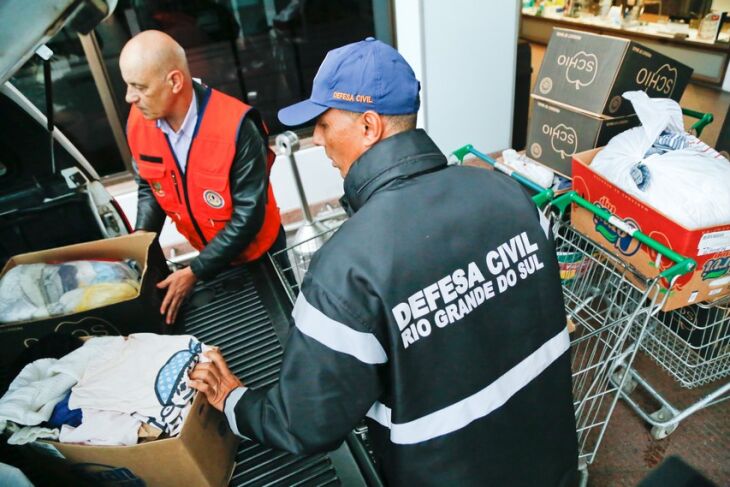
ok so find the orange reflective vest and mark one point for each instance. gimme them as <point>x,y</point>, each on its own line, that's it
<point>198,200</point>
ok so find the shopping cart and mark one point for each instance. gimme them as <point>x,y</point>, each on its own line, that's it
<point>299,256</point>
<point>691,344</point>
<point>608,304</point>
<point>611,305</point>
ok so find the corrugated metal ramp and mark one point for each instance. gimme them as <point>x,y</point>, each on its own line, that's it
<point>244,311</point>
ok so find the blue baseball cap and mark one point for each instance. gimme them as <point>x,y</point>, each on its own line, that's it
<point>362,76</point>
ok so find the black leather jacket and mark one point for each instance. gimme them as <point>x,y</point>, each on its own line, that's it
<point>249,184</point>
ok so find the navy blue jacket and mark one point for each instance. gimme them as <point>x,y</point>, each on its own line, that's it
<point>435,311</point>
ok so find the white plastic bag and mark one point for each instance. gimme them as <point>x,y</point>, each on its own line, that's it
<point>689,185</point>
<point>36,291</point>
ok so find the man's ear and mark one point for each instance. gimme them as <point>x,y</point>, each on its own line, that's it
<point>176,79</point>
<point>373,127</point>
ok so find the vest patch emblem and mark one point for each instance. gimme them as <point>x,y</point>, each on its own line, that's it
<point>213,199</point>
<point>157,188</point>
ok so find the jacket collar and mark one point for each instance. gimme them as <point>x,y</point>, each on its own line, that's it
<point>398,157</point>
<point>202,96</point>
<point>201,93</point>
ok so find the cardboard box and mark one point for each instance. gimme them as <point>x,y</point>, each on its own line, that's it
<point>139,314</point>
<point>591,71</point>
<point>709,247</point>
<point>201,455</point>
<point>559,131</point>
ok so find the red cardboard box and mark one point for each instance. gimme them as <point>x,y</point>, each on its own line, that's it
<point>708,247</point>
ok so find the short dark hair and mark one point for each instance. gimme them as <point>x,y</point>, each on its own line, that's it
<point>399,123</point>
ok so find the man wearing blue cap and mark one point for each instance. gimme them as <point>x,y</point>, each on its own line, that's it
<point>435,311</point>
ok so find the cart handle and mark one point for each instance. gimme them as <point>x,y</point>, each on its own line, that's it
<point>704,119</point>
<point>543,194</point>
<point>682,265</point>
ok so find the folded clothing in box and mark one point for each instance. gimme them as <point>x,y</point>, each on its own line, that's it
<point>34,291</point>
<point>117,384</point>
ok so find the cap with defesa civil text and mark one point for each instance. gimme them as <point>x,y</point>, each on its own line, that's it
<point>365,75</point>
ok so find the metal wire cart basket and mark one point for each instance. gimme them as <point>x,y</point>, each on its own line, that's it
<point>291,270</point>
<point>609,305</point>
<point>613,311</point>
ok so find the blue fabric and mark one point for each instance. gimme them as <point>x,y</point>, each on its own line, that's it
<point>362,76</point>
<point>63,415</point>
<point>641,175</point>
<point>667,141</point>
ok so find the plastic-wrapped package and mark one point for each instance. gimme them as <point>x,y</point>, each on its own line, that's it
<point>36,291</point>
<point>667,168</point>
<point>532,170</point>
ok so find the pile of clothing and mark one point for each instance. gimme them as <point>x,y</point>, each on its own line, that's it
<point>662,165</point>
<point>36,291</point>
<point>110,391</point>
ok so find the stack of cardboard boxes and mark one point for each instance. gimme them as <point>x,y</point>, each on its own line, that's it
<point>577,103</point>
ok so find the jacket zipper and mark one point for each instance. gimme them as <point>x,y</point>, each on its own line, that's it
<point>185,192</point>
<point>177,189</point>
<point>201,111</point>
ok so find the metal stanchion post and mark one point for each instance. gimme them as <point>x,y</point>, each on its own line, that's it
<point>309,238</point>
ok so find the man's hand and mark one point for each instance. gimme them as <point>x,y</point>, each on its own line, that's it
<point>214,379</point>
<point>178,284</point>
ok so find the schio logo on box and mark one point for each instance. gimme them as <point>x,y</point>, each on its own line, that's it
<point>622,241</point>
<point>715,268</point>
<point>563,139</point>
<point>661,81</point>
<point>580,69</point>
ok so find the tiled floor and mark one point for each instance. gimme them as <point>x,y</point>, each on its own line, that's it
<point>628,451</point>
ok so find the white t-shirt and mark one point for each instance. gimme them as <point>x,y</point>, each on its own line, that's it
<point>145,375</point>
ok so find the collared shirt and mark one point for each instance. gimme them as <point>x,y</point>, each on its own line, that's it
<point>181,140</point>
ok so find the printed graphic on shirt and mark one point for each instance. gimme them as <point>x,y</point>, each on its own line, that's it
<point>457,294</point>
<point>172,389</point>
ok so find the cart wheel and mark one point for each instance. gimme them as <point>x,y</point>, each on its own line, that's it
<point>661,432</point>
<point>629,384</point>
